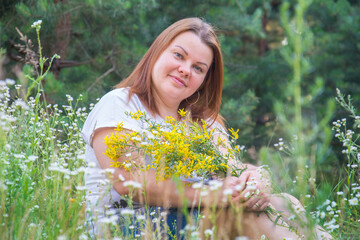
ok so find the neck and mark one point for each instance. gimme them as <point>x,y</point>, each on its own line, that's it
<point>167,112</point>
<point>167,107</point>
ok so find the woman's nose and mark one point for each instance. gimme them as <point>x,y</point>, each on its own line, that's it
<point>184,70</point>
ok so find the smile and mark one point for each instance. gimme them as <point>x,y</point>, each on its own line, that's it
<point>178,81</point>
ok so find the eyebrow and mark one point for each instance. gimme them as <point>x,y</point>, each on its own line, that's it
<point>186,53</point>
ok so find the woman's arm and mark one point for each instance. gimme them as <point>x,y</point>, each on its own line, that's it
<point>153,192</point>
<point>256,180</point>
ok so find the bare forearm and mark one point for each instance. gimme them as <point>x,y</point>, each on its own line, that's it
<point>156,192</point>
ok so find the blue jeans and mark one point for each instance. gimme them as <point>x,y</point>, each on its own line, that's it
<point>176,221</point>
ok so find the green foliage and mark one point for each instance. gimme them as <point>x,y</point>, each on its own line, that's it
<point>238,114</point>
<point>113,35</point>
<point>282,66</point>
<point>41,164</point>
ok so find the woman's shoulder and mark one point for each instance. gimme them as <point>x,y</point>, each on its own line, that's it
<point>112,109</point>
<point>120,97</point>
<point>118,93</point>
<point>217,126</point>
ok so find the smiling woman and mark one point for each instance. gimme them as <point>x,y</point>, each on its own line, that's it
<point>182,69</point>
<point>204,102</point>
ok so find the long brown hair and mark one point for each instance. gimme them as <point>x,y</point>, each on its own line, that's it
<point>207,99</point>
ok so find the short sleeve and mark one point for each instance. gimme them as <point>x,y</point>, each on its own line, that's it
<point>110,111</point>
<point>218,128</point>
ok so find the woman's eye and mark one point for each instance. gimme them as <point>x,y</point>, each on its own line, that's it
<point>198,69</point>
<point>178,55</point>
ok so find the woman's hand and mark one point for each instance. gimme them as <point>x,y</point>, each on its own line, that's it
<point>251,189</point>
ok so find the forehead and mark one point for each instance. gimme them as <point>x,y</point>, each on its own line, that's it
<point>193,45</point>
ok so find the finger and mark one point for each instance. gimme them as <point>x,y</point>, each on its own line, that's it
<point>246,195</point>
<point>252,201</point>
<point>256,207</point>
<point>260,205</point>
<point>260,199</point>
<point>253,206</point>
<point>244,177</point>
<point>243,197</point>
<point>263,206</point>
<point>231,181</point>
<point>239,183</point>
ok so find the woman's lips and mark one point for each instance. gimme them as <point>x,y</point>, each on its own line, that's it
<point>178,80</point>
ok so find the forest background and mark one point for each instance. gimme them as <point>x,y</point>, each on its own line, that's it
<point>100,42</point>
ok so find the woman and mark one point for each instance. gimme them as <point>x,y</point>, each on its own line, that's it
<point>182,69</point>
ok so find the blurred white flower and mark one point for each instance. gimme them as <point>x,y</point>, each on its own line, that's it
<point>228,191</point>
<point>33,157</point>
<point>292,217</point>
<point>107,170</point>
<point>284,42</point>
<point>197,185</point>
<point>7,147</point>
<point>83,236</point>
<point>61,237</point>
<point>21,103</point>
<point>204,193</point>
<point>127,211</point>
<point>242,238</point>
<point>110,220</point>
<point>141,217</point>
<point>239,187</point>
<point>121,177</point>
<point>331,225</point>
<point>208,232</point>
<point>131,183</point>
<point>32,225</point>
<point>354,201</point>
<point>10,81</point>
<point>215,184</point>
<point>80,188</point>
<point>69,98</point>
<point>92,164</point>
<point>36,24</point>
<point>195,234</point>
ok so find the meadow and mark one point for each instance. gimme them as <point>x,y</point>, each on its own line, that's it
<point>42,165</point>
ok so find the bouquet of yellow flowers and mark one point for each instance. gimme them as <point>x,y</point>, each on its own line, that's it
<point>177,148</point>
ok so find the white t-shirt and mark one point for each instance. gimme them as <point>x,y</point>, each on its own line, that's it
<point>108,112</point>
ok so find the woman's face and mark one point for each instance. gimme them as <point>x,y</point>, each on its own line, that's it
<point>180,69</point>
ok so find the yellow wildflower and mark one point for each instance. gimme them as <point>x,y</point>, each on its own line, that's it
<point>234,134</point>
<point>181,112</point>
<point>178,148</point>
